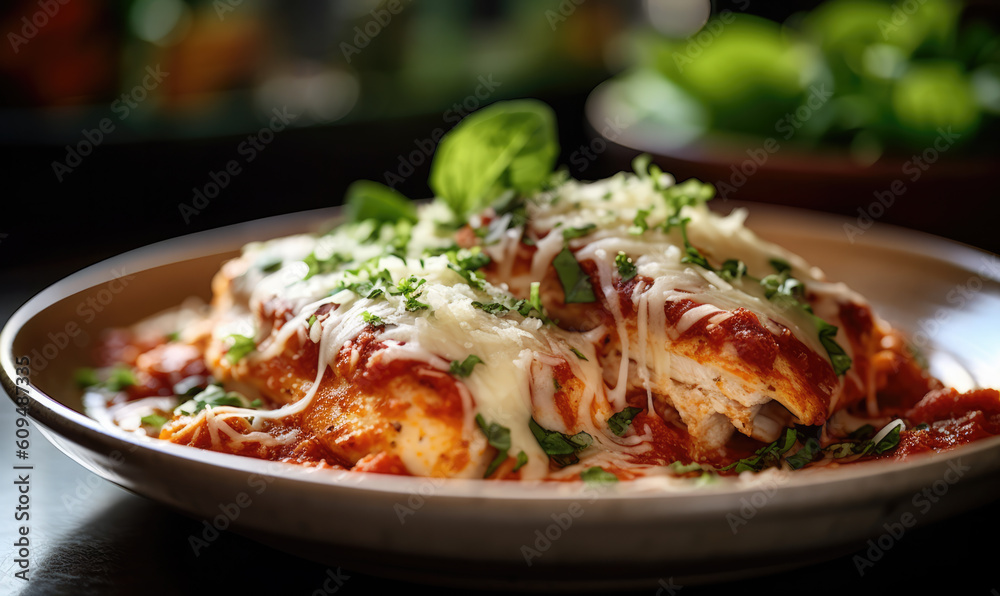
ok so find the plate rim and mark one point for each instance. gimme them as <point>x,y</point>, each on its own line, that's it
<point>68,422</point>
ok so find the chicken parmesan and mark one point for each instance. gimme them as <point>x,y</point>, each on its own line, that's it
<point>524,325</point>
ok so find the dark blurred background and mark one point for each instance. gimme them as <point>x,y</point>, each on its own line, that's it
<point>125,122</point>
<point>129,121</point>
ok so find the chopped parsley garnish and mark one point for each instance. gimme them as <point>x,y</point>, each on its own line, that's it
<point>732,270</point>
<point>154,420</point>
<point>570,233</point>
<point>466,265</point>
<point>574,280</point>
<point>862,442</point>
<point>626,268</point>
<point>464,368</point>
<point>215,396</point>
<point>319,266</point>
<point>804,456</point>
<point>789,292</point>
<point>373,320</point>
<point>493,308</point>
<point>241,346</point>
<point>85,377</point>
<point>639,224</point>
<point>498,437</point>
<point>269,264</point>
<point>620,421</point>
<point>407,287</point>
<point>679,468</point>
<point>119,377</point>
<point>766,456</point>
<point>561,448</point>
<point>598,475</point>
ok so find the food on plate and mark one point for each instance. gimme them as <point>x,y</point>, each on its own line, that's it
<point>524,325</point>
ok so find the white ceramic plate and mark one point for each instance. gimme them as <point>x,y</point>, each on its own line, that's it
<point>501,534</point>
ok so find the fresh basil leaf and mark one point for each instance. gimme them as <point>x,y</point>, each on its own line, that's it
<point>620,421</point>
<point>804,456</point>
<point>464,368</point>
<point>498,437</point>
<point>598,475</point>
<point>522,458</point>
<point>574,280</point>
<point>838,357</point>
<point>888,442</point>
<point>560,447</point>
<point>862,433</point>
<point>366,200</point>
<point>507,145</point>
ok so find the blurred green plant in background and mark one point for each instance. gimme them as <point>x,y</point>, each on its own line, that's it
<point>870,76</point>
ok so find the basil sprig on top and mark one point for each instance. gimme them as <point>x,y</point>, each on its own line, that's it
<point>510,145</point>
